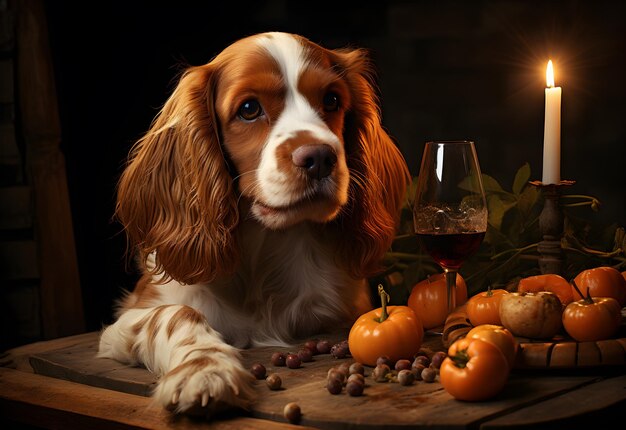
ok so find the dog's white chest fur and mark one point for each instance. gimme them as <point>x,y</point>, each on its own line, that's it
<point>287,285</point>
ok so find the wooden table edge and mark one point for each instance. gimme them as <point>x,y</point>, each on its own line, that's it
<point>19,357</point>
<point>25,395</point>
<point>583,405</point>
<point>46,402</point>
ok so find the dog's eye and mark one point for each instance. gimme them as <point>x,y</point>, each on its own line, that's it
<point>331,102</point>
<point>250,110</point>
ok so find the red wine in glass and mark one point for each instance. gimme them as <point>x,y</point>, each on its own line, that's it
<point>451,250</point>
<point>450,207</point>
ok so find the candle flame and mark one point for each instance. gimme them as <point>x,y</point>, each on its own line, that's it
<point>550,75</point>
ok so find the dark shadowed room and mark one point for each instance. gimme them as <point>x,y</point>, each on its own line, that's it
<point>330,215</point>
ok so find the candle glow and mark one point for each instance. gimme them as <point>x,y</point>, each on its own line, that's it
<point>552,130</point>
<point>550,75</point>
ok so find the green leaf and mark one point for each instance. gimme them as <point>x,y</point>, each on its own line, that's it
<point>521,178</point>
<point>497,207</point>
<point>491,185</point>
<point>527,200</point>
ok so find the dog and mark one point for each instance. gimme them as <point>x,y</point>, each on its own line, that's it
<point>260,200</point>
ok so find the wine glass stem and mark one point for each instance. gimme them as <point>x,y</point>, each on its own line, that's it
<point>451,288</point>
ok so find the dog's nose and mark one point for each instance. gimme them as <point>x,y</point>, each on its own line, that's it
<point>318,160</point>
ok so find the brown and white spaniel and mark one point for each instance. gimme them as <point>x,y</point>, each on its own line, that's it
<point>262,197</point>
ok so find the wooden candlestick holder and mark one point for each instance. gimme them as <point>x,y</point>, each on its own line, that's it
<point>551,227</point>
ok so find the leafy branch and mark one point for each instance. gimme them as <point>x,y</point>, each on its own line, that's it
<point>509,249</point>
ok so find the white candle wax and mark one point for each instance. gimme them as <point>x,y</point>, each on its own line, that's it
<point>552,131</point>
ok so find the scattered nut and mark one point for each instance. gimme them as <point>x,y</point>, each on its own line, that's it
<point>344,368</point>
<point>339,350</point>
<point>273,381</point>
<point>422,359</point>
<point>305,355</point>
<point>323,347</point>
<point>356,377</point>
<point>293,361</point>
<point>334,373</point>
<point>380,373</point>
<point>356,367</point>
<point>383,359</point>
<point>406,377</point>
<point>334,385</point>
<point>402,364</point>
<point>258,370</point>
<point>355,388</point>
<point>311,345</point>
<point>292,412</point>
<point>278,359</point>
<point>417,371</point>
<point>437,359</point>
<point>429,374</point>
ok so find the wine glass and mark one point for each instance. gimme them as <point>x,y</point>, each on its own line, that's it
<point>450,208</point>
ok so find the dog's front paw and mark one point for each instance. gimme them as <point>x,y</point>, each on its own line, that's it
<point>205,385</point>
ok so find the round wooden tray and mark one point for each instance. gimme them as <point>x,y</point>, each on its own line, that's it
<point>560,352</point>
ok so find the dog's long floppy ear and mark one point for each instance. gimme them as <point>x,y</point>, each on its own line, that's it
<point>175,196</point>
<point>379,173</point>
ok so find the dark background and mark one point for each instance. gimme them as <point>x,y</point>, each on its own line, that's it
<point>446,70</point>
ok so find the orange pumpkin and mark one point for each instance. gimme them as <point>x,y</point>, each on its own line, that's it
<point>500,337</point>
<point>592,319</point>
<point>484,308</point>
<point>547,282</point>
<point>603,281</point>
<point>474,370</point>
<point>394,331</point>
<point>429,299</point>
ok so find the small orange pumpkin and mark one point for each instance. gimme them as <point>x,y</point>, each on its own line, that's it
<point>484,308</point>
<point>500,337</point>
<point>429,299</point>
<point>474,370</point>
<point>547,282</point>
<point>592,318</point>
<point>603,281</point>
<point>394,331</point>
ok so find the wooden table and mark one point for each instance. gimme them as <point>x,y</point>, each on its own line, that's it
<point>61,384</point>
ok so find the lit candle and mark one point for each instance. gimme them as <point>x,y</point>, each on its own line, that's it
<point>552,131</point>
